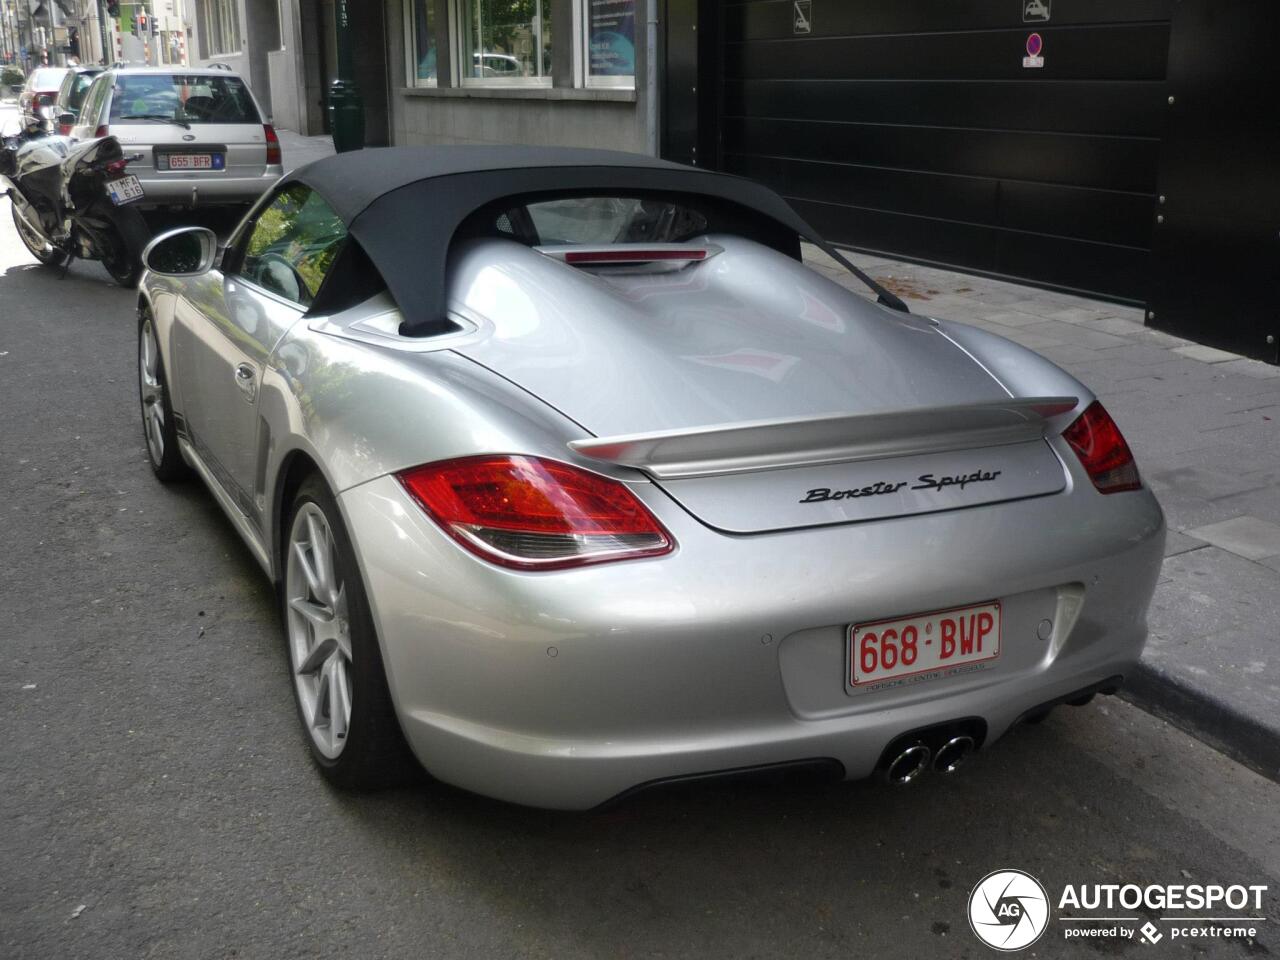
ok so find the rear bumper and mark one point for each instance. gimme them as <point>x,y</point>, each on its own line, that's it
<point>202,189</point>
<point>566,689</point>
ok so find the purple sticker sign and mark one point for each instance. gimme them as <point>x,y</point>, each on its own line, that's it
<point>1034,45</point>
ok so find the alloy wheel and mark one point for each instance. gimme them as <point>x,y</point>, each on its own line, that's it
<point>152,391</point>
<point>319,631</point>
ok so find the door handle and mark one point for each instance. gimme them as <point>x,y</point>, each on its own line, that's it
<point>247,381</point>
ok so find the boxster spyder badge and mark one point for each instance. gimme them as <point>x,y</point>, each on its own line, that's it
<point>925,481</point>
<point>458,404</point>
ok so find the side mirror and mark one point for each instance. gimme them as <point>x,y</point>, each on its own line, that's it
<point>184,252</point>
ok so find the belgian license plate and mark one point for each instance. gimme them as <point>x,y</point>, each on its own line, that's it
<point>923,646</point>
<point>124,190</point>
<point>195,161</point>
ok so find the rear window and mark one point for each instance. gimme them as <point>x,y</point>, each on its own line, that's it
<point>190,98</point>
<point>601,220</point>
<point>47,79</point>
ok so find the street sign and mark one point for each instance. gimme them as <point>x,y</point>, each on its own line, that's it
<point>1035,46</point>
<point>803,21</point>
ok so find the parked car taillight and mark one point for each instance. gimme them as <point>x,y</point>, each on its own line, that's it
<point>102,131</point>
<point>1102,450</point>
<point>273,145</point>
<point>535,514</point>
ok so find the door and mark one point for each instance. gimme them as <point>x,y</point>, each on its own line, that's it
<point>230,322</point>
<point>1003,138</point>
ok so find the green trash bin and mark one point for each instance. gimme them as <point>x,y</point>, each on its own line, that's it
<point>346,116</point>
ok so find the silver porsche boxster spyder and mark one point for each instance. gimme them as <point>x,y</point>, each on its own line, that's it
<point>573,478</point>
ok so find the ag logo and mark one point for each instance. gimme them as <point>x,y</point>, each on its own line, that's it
<point>1008,910</point>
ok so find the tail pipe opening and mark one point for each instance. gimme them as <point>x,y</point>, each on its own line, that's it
<point>952,754</point>
<point>908,765</point>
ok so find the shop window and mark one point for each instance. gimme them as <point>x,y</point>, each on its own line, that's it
<point>506,41</point>
<point>609,50</point>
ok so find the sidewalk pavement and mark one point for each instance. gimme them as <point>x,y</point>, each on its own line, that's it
<point>300,150</point>
<point>1205,428</point>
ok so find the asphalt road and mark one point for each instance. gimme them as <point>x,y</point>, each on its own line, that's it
<point>156,799</point>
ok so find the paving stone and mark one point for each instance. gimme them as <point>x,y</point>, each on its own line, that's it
<point>1251,368</point>
<point>1198,351</point>
<point>1115,325</point>
<point>1176,543</point>
<point>1247,537</point>
<point>1013,318</point>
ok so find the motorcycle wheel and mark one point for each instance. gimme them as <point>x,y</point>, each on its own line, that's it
<point>40,248</point>
<point>123,258</point>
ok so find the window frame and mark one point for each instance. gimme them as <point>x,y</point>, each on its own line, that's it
<point>582,14</point>
<point>411,40</point>
<point>463,54</point>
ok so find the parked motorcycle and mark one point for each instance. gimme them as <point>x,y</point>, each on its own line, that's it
<point>70,199</point>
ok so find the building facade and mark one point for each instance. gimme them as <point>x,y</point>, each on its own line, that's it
<point>1115,148</point>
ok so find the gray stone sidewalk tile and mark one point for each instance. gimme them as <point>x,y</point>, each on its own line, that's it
<point>1251,368</point>
<point>1077,334</point>
<point>1246,537</point>
<point>1197,351</point>
<point>1177,543</point>
<point>1013,318</point>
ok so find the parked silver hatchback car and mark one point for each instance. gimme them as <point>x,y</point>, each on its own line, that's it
<point>201,135</point>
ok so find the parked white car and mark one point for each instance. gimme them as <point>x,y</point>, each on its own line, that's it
<point>201,135</point>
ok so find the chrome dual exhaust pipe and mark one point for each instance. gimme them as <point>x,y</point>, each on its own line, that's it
<point>952,753</point>
<point>915,759</point>
<point>909,764</point>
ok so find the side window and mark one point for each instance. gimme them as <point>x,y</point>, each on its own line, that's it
<point>291,247</point>
<point>93,102</point>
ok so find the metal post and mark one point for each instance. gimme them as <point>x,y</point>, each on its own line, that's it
<point>103,36</point>
<point>346,107</point>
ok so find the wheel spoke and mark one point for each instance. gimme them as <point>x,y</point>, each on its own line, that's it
<point>339,698</point>
<point>324,624</point>
<point>322,558</point>
<point>304,562</point>
<point>317,657</point>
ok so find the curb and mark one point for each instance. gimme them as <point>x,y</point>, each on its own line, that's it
<point>1217,722</point>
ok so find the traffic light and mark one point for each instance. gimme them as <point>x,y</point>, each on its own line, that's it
<point>142,23</point>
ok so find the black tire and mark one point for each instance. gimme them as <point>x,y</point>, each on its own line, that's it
<point>159,434</point>
<point>126,239</point>
<point>47,254</point>
<point>374,754</point>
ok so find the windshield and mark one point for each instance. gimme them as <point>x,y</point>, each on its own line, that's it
<point>185,98</point>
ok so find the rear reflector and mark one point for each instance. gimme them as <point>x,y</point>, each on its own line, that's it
<point>535,514</point>
<point>1102,450</point>
<point>273,145</point>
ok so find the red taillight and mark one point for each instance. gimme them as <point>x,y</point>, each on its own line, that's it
<point>274,157</point>
<point>535,514</point>
<point>116,167</point>
<point>1100,446</point>
<point>102,131</point>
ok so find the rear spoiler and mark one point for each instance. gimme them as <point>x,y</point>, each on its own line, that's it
<point>771,444</point>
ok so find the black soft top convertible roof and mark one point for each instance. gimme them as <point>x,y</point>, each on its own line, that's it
<point>404,204</point>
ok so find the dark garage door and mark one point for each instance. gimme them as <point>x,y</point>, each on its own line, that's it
<point>914,129</point>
